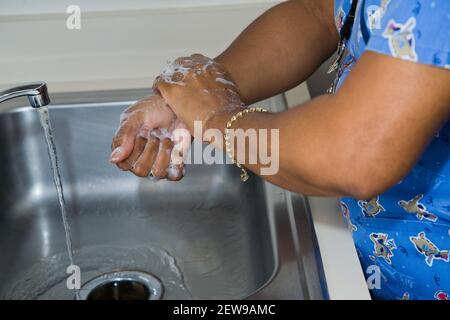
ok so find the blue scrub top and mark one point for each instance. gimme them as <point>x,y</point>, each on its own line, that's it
<point>404,232</point>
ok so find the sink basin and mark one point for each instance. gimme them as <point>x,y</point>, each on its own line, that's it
<point>208,236</point>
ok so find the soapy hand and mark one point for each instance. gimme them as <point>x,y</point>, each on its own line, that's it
<point>151,140</point>
<point>197,89</point>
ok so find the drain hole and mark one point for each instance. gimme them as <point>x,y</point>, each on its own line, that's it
<point>123,285</point>
<point>120,290</point>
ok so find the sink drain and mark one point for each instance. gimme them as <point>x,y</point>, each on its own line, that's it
<point>122,285</point>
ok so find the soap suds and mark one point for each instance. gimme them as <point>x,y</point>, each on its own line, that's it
<point>173,171</point>
<point>221,80</point>
<point>171,71</point>
<point>161,133</point>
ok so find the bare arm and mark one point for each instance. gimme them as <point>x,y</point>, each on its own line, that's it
<point>276,52</point>
<point>281,48</point>
<point>364,139</point>
<point>357,143</point>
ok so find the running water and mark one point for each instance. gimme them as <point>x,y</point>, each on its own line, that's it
<point>45,123</point>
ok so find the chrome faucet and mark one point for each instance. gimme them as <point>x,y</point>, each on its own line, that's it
<point>36,92</point>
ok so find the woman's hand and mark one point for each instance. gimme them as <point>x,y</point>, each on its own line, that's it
<point>151,140</point>
<point>198,89</point>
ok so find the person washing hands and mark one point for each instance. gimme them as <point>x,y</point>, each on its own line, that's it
<point>379,139</point>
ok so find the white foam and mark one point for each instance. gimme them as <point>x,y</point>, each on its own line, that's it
<point>173,171</point>
<point>161,133</point>
<point>170,70</point>
<point>221,80</point>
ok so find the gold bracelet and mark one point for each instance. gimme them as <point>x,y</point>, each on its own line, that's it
<point>240,114</point>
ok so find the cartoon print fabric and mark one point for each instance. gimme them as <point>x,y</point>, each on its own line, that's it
<point>406,230</point>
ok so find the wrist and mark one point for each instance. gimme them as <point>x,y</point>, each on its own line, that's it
<point>219,120</point>
<point>232,68</point>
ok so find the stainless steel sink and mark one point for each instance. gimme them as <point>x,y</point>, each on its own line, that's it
<point>208,236</point>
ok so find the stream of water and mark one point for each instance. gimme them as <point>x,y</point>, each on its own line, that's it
<point>45,123</point>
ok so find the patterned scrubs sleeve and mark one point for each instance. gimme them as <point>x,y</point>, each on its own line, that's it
<point>404,232</point>
<point>417,31</point>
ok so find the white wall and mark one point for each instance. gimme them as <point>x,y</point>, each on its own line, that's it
<point>18,7</point>
<point>121,44</point>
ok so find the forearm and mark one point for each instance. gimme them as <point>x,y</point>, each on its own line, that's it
<point>281,48</point>
<point>354,143</point>
<point>307,148</point>
<point>357,142</point>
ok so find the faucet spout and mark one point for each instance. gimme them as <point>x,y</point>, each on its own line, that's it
<point>36,92</point>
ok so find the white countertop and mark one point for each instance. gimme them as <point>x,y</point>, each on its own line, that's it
<point>343,272</point>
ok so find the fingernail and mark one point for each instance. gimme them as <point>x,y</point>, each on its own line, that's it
<point>115,154</point>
